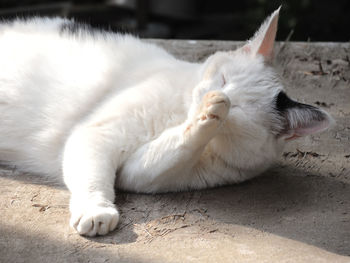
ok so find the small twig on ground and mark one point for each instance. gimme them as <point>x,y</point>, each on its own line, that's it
<point>286,41</point>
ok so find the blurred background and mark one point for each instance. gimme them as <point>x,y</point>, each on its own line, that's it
<point>303,20</point>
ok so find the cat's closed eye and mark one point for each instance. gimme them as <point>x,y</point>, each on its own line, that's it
<point>223,81</point>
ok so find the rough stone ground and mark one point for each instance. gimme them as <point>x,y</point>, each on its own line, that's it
<point>298,211</point>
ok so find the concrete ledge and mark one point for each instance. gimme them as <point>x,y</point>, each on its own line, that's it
<point>298,212</point>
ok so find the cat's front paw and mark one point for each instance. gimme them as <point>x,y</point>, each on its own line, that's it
<point>215,106</point>
<point>94,220</point>
<point>210,114</point>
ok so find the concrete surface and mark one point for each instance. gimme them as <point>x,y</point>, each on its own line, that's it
<point>297,212</point>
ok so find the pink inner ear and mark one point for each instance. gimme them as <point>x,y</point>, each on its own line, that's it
<point>263,41</point>
<point>311,129</point>
<point>266,46</point>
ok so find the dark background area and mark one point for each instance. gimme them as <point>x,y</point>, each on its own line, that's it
<point>303,20</point>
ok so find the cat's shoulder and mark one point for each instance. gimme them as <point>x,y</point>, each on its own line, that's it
<point>31,24</point>
<point>47,34</point>
<point>63,27</point>
<point>66,28</point>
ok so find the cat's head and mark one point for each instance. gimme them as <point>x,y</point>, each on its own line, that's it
<point>262,117</point>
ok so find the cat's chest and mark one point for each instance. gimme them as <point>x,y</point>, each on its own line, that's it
<point>143,111</point>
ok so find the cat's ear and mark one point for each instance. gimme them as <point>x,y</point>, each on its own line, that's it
<point>263,41</point>
<point>300,119</point>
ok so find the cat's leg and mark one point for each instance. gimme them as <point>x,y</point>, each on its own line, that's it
<point>89,166</point>
<point>164,164</point>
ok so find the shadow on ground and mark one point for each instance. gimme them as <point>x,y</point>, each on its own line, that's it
<point>29,248</point>
<point>285,202</point>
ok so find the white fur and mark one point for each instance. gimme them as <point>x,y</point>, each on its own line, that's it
<point>89,106</point>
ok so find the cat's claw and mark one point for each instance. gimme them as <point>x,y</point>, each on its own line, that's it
<point>95,221</point>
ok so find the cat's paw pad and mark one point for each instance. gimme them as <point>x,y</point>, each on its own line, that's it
<point>215,106</point>
<point>95,221</point>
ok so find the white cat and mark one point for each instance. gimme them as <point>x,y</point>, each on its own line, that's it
<point>100,107</point>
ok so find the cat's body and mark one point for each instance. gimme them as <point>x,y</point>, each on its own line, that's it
<point>92,105</point>
<point>61,80</point>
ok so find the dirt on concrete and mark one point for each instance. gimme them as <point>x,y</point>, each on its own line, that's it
<point>298,211</point>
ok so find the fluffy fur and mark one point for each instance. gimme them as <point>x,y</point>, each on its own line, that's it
<point>103,108</point>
